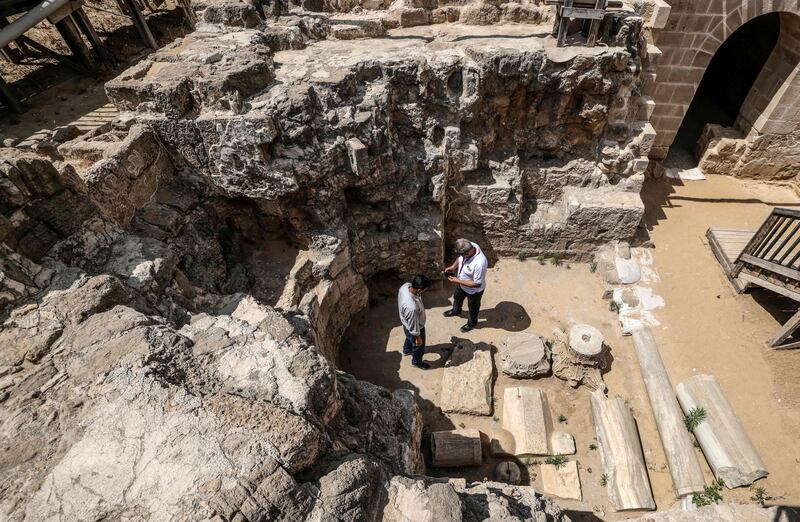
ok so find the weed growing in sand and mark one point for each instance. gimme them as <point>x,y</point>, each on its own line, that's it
<point>710,495</point>
<point>694,418</point>
<point>559,461</point>
<point>562,419</point>
<point>593,267</point>
<point>593,446</point>
<point>760,496</point>
<point>555,260</point>
<point>521,256</point>
<point>603,480</point>
<point>541,259</point>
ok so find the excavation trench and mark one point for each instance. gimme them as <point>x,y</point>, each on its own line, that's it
<point>243,212</point>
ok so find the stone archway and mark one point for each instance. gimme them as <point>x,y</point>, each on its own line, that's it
<point>770,114</point>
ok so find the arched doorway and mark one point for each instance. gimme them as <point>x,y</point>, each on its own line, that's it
<point>726,83</point>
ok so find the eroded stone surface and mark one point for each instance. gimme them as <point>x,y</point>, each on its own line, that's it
<point>467,379</point>
<point>562,443</point>
<point>524,355</point>
<point>562,481</point>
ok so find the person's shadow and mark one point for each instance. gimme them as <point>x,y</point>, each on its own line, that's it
<point>506,315</point>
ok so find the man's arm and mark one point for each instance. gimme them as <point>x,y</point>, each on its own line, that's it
<point>411,322</point>
<point>463,282</point>
<point>478,276</point>
<point>453,267</point>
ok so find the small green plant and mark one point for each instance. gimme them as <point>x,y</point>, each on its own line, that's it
<point>603,480</point>
<point>562,419</point>
<point>559,461</point>
<point>760,496</point>
<point>521,256</point>
<point>541,259</point>
<point>593,267</point>
<point>593,446</point>
<point>555,260</point>
<point>710,495</point>
<point>612,306</point>
<point>696,444</point>
<point>694,418</point>
<point>526,460</point>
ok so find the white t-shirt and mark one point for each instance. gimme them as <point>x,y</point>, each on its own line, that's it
<point>474,269</point>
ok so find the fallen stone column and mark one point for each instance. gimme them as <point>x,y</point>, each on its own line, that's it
<point>687,477</point>
<point>456,448</point>
<point>621,454</point>
<point>728,449</point>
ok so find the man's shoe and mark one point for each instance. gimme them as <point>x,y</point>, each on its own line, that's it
<point>467,327</point>
<point>451,313</point>
<point>407,353</point>
<point>422,366</point>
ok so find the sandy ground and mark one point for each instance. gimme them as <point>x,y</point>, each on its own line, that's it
<point>704,328</point>
<point>708,328</point>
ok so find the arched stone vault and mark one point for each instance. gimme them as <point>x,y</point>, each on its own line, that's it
<point>694,32</point>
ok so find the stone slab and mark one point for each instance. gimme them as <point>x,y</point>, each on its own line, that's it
<point>563,482</point>
<point>524,417</point>
<point>467,380</point>
<point>562,443</point>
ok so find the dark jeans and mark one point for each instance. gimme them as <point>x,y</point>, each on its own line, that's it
<point>473,303</point>
<point>411,347</point>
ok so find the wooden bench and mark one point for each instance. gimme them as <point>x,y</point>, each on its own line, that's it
<point>768,257</point>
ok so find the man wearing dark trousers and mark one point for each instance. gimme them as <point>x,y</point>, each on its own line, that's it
<point>468,273</point>
<point>412,315</point>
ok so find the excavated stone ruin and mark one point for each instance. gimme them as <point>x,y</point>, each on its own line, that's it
<point>174,287</point>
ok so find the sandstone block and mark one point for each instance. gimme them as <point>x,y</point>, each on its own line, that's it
<point>467,380</point>
<point>562,443</point>
<point>563,482</point>
<point>524,355</point>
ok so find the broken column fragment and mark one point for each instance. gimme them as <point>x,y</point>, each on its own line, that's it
<point>728,450</point>
<point>621,454</point>
<point>580,358</point>
<point>687,477</point>
<point>456,448</point>
<point>524,355</point>
<point>467,380</point>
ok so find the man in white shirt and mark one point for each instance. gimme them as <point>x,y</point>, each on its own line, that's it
<point>412,315</point>
<point>468,273</point>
